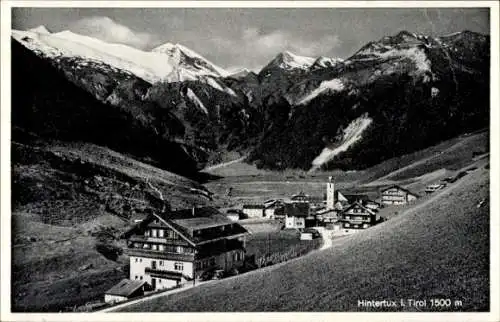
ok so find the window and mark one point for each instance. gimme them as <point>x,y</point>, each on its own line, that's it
<point>179,266</point>
<point>146,233</point>
<point>198,265</point>
<point>136,259</point>
<point>179,249</point>
<point>140,260</point>
<point>347,217</point>
<point>161,263</point>
<point>153,232</point>
<point>155,247</point>
<point>146,246</point>
<point>136,277</point>
<point>161,248</point>
<point>140,278</point>
<point>161,233</point>
<point>212,261</point>
<point>347,225</point>
<point>159,281</point>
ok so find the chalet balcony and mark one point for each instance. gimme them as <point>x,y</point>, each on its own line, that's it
<point>159,254</point>
<point>162,240</point>
<point>219,247</point>
<point>155,272</point>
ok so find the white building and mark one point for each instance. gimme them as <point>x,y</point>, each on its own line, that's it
<point>177,247</point>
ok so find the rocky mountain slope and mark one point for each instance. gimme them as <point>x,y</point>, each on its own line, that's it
<point>393,96</point>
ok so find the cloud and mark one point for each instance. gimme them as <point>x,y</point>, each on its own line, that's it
<point>108,30</point>
<point>254,49</point>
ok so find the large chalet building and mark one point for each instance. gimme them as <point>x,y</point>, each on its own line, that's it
<point>173,248</point>
<point>396,195</point>
<point>296,215</point>
<point>357,217</point>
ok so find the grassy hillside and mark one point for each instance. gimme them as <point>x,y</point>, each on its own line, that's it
<point>70,204</point>
<point>437,249</point>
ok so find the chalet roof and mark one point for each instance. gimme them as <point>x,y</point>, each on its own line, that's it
<point>339,196</point>
<point>183,223</point>
<point>356,197</point>
<point>359,205</point>
<point>273,203</point>
<point>400,188</point>
<point>325,211</point>
<point>203,222</point>
<point>297,209</point>
<point>126,287</point>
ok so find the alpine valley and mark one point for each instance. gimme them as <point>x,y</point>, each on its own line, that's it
<point>172,108</point>
<point>104,134</point>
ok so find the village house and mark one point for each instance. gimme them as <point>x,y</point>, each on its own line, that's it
<point>172,248</point>
<point>364,200</point>
<point>396,195</point>
<point>270,208</point>
<point>296,215</point>
<point>300,198</point>
<point>357,217</point>
<point>254,211</point>
<point>327,216</point>
<point>125,290</point>
<point>373,205</point>
<point>233,214</point>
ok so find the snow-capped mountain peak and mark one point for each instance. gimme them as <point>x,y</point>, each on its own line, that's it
<point>325,62</point>
<point>184,57</point>
<point>165,63</point>
<point>288,61</point>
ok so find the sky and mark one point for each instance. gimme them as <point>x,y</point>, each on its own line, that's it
<point>250,37</point>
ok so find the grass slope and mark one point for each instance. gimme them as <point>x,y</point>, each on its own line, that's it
<point>67,198</point>
<point>439,248</point>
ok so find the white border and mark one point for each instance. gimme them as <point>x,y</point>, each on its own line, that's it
<point>493,315</point>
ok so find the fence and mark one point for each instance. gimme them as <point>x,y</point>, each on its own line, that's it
<point>293,252</point>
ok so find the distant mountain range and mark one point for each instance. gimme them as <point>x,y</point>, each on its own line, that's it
<point>173,108</point>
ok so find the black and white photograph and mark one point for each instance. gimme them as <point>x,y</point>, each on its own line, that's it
<point>222,157</point>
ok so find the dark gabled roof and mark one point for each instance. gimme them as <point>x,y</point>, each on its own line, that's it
<point>126,287</point>
<point>203,222</point>
<point>398,187</point>
<point>296,209</point>
<point>185,224</point>
<point>355,197</point>
<point>359,205</point>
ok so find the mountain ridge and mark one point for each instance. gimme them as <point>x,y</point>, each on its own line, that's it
<point>257,114</point>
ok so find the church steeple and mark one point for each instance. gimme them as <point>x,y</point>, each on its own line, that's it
<point>330,193</point>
